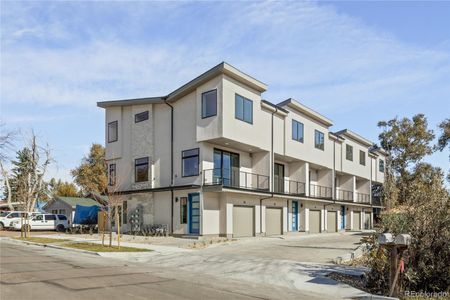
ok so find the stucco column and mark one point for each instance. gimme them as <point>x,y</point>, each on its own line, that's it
<point>307,179</point>
<point>306,219</point>
<point>354,188</point>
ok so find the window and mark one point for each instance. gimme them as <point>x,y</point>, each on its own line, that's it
<point>62,217</point>
<point>141,117</point>
<point>50,217</point>
<point>112,131</point>
<point>62,211</point>
<point>209,104</point>
<point>112,174</point>
<point>349,152</point>
<point>125,212</point>
<point>243,109</point>
<point>297,131</point>
<point>190,162</point>
<point>13,215</point>
<point>362,157</point>
<point>54,211</point>
<point>183,210</point>
<point>381,166</point>
<point>39,218</point>
<point>319,140</point>
<point>141,169</point>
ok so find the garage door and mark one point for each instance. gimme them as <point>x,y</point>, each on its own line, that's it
<point>314,221</point>
<point>332,221</point>
<point>367,220</point>
<point>274,217</point>
<point>356,220</point>
<point>243,221</point>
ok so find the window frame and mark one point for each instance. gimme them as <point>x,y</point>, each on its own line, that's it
<point>136,164</point>
<point>244,99</point>
<point>381,163</point>
<point>116,123</point>
<point>317,146</point>
<point>203,103</point>
<point>362,154</point>
<point>190,156</point>
<point>183,210</point>
<point>124,212</point>
<point>347,146</point>
<point>111,179</point>
<point>297,124</point>
<point>144,113</point>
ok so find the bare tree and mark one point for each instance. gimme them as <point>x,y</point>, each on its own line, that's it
<point>6,142</point>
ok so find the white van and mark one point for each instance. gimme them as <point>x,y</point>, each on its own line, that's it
<point>8,217</point>
<point>45,222</point>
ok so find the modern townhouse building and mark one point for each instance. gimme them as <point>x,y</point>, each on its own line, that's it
<point>214,158</point>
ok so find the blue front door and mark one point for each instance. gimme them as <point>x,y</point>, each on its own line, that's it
<point>194,213</point>
<point>294,215</point>
<point>342,217</point>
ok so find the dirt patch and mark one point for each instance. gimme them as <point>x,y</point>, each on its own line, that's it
<point>100,248</point>
<point>41,240</point>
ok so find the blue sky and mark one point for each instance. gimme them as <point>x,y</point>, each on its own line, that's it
<point>355,62</point>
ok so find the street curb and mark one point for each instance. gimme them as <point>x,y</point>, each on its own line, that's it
<point>56,247</point>
<point>358,252</point>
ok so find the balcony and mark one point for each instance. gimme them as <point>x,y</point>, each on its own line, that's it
<point>362,198</point>
<point>344,195</point>
<point>319,191</point>
<point>236,179</point>
<point>289,187</point>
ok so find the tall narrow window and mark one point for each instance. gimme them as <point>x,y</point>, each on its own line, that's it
<point>113,131</point>
<point>112,174</point>
<point>183,210</point>
<point>124,212</point>
<point>362,157</point>
<point>141,117</point>
<point>141,169</point>
<point>209,104</point>
<point>349,152</point>
<point>381,165</point>
<point>190,163</point>
<point>297,131</point>
<point>243,109</point>
<point>319,140</point>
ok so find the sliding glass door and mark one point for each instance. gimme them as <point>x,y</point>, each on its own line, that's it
<point>226,168</point>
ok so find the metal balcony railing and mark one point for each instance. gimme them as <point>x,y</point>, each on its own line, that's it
<point>362,198</point>
<point>319,191</point>
<point>344,195</point>
<point>289,187</point>
<point>236,179</point>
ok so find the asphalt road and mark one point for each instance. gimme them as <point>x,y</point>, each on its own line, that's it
<point>35,272</point>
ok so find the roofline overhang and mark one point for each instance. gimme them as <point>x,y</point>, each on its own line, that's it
<point>294,104</point>
<point>222,68</point>
<point>354,136</point>
<point>273,108</point>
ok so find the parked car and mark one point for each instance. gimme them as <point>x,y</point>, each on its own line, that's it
<point>8,217</point>
<point>44,222</point>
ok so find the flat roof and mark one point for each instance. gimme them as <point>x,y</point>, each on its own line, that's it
<point>355,136</point>
<point>307,111</point>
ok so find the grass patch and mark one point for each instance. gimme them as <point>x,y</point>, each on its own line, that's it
<point>41,240</point>
<point>100,248</point>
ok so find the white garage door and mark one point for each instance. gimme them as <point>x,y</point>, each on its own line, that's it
<point>274,217</point>
<point>332,221</point>
<point>356,220</point>
<point>243,221</point>
<point>314,221</point>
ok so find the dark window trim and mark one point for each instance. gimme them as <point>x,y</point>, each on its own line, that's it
<point>380,162</point>
<point>144,113</point>
<point>303,131</point>
<point>117,131</point>
<point>141,164</point>
<point>350,159</point>
<point>315,144</point>
<point>243,113</point>
<point>364,155</point>
<point>201,113</point>
<point>112,181</point>
<point>182,158</point>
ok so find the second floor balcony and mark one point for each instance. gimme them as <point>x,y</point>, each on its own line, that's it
<point>289,187</point>
<point>319,191</point>
<point>236,179</point>
<point>362,198</point>
<point>344,195</point>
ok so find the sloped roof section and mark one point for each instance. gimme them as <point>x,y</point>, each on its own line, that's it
<point>294,104</point>
<point>354,136</point>
<point>74,201</point>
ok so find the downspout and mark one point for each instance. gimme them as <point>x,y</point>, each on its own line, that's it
<point>171,165</point>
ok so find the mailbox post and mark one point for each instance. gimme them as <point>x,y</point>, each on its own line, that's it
<point>396,247</point>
